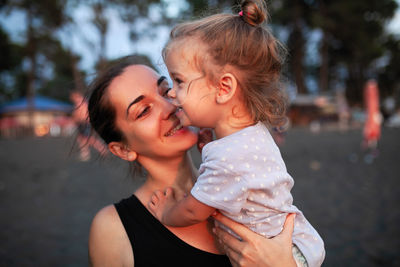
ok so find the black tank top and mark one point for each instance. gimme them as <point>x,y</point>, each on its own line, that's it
<point>154,245</point>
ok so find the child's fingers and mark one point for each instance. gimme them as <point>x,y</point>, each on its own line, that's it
<point>151,205</point>
<point>153,202</point>
<point>155,197</point>
<point>168,191</point>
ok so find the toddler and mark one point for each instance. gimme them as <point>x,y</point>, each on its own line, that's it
<point>226,71</point>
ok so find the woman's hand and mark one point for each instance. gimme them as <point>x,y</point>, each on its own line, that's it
<point>254,249</point>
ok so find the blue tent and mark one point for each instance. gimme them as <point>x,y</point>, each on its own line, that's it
<point>39,103</point>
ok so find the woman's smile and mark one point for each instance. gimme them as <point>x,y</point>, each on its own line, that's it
<point>176,127</point>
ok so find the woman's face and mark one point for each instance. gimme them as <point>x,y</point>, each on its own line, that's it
<point>145,117</point>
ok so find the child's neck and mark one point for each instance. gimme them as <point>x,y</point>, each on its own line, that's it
<point>231,125</point>
<point>232,116</point>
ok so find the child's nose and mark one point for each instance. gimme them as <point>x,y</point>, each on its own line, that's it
<point>172,97</point>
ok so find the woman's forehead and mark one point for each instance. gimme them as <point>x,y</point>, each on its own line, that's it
<point>136,77</point>
<point>133,82</point>
<point>141,73</point>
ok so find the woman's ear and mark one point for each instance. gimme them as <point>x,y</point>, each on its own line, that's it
<point>226,88</point>
<point>122,150</point>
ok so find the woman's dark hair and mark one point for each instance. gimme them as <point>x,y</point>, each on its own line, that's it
<point>101,112</point>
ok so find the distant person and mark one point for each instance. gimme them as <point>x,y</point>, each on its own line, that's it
<point>394,119</point>
<point>343,110</point>
<point>373,120</point>
<point>226,72</point>
<point>84,138</point>
<point>128,108</point>
<point>388,107</point>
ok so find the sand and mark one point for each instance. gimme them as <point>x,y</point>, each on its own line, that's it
<point>48,197</point>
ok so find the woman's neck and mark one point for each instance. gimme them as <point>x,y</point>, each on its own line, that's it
<point>180,174</point>
<point>177,173</point>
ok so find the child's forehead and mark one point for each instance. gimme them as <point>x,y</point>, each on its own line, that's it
<point>187,52</point>
<point>188,47</point>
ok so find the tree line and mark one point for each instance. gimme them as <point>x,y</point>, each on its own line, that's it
<point>352,44</point>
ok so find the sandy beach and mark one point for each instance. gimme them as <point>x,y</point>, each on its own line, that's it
<point>48,197</point>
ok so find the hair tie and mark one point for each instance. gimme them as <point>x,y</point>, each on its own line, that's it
<point>241,13</point>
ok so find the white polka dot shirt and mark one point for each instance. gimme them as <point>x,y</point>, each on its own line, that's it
<point>243,175</point>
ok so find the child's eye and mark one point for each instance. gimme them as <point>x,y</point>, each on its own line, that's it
<point>144,112</point>
<point>178,81</point>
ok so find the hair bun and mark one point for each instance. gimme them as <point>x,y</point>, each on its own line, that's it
<point>254,12</point>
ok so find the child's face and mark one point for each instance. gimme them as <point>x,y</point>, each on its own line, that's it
<point>191,92</point>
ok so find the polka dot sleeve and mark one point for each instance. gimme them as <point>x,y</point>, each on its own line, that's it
<point>220,186</point>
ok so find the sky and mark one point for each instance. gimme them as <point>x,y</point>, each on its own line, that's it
<point>83,39</point>
<point>394,25</point>
<point>119,44</point>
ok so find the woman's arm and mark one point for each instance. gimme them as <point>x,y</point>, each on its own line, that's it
<point>109,244</point>
<point>254,249</point>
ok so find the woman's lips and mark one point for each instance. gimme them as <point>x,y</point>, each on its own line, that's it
<point>174,129</point>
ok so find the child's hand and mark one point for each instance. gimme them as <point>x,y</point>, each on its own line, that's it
<point>161,202</point>
<point>205,137</point>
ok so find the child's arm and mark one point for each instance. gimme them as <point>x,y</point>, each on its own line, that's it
<point>185,212</point>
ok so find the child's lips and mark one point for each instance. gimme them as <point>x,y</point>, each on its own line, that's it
<point>179,112</point>
<point>182,116</point>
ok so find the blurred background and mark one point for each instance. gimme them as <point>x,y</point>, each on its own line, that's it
<point>341,71</point>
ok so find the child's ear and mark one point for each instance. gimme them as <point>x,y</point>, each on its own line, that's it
<point>226,88</point>
<point>122,150</point>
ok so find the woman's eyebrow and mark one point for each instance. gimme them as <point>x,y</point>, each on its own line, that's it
<point>159,81</point>
<point>138,99</point>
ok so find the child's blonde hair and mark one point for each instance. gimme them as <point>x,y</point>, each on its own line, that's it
<point>240,41</point>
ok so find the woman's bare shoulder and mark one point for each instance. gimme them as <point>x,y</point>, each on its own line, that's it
<point>108,242</point>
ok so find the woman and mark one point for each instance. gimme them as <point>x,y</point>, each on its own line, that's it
<point>128,110</point>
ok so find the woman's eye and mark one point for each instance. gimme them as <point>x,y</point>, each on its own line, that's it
<point>144,112</point>
<point>165,94</point>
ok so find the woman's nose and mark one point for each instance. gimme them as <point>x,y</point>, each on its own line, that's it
<point>168,108</point>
